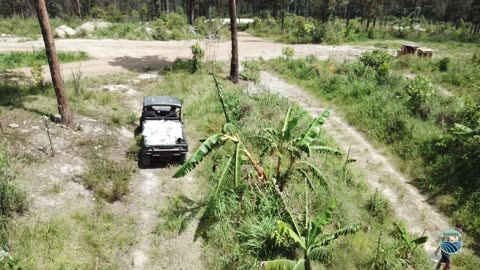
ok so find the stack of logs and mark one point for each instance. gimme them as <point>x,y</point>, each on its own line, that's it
<point>408,49</point>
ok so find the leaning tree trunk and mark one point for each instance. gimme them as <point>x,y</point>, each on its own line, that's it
<point>233,30</point>
<point>63,106</point>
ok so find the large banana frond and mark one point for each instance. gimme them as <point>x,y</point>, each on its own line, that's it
<point>224,175</point>
<point>289,124</point>
<point>313,132</point>
<point>314,171</point>
<point>327,150</point>
<point>284,265</point>
<point>320,221</point>
<point>324,241</point>
<point>286,229</point>
<point>320,254</point>
<point>237,163</point>
<point>198,156</point>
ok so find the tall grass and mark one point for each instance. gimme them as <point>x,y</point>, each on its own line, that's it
<point>24,59</point>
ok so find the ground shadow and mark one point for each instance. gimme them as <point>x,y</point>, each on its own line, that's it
<point>141,64</point>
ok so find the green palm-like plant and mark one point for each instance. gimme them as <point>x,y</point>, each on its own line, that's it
<point>229,134</point>
<point>288,148</point>
<point>311,239</point>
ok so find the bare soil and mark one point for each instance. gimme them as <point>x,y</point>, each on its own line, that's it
<point>114,56</point>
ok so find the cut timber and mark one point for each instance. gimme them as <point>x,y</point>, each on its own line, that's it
<point>425,52</point>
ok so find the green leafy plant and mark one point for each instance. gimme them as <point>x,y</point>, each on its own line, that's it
<point>197,55</point>
<point>378,206</point>
<point>409,243</point>
<point>251,70</point>
<point>377,59</point>
<point>288,148</point>
<point>310,239</point>
<point>36,70</point>
<point>443,64</point>
<point>420,91</point>
<point>288,52</point>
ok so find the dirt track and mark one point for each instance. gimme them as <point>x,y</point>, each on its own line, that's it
<point>114,56</point>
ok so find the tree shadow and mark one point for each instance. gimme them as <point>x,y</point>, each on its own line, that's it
<point>141,64</point>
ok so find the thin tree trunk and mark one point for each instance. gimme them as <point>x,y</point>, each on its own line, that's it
<point>233,30</point>
<point>63,106</point>
<point>79,9</point>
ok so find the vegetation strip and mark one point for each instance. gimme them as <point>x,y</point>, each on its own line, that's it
<point>30,59</point>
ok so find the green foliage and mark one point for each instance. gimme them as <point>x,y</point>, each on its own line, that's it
<point>251,70</point>
<point>443,64</point>
<point>197,55</point>
<point>9,262</point>
<point>439,158</point>
<point>36,58</point>
<point>311,239</point>
<point>378,206</point>
<point>12,199</point>
<point>288,52</point>
<point>37,74</point>
<point>420,91</point>
<point>377,59</point>
<point>109,180</point>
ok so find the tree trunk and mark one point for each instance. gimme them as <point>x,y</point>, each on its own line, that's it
<point>63,106</point>
<point>191,12</point>
<point>79,8</point>
<point>233,30</point>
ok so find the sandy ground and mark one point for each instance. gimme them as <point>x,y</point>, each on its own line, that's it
<point>114,56</point>
<point>380,173</point>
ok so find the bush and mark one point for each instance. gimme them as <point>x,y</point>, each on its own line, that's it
<point>108,179</point>
<point>419,91</point>
<point>197,55</point>
<point>443,64</point>
<point>376,59</point>
<point>288,52</point>
<point>12,199</point>
<point>378,206</point>
<point>251,70</point>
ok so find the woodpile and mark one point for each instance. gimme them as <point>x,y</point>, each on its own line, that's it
<point>410,49</point>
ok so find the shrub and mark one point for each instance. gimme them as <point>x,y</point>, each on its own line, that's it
<point>108,179</point>
<point>37,74</point>
<point>197,54</point>
<point>251,70</point>
<point>12,199</point>
<point>288,52</point>
<point>378,206</point>
<point>443,64</point>
<point>376,59</point>
<point>419,91</point>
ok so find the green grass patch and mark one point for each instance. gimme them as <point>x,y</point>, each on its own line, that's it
<point>24,59</point>
<point>416,125</point>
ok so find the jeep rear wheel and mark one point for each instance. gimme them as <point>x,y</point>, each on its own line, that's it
<point>145,160</point>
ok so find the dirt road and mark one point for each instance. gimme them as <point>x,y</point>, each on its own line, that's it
<point>114,56</point>
<point>408,203</point>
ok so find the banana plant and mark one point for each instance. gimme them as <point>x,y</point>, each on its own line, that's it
<point>229,134</point>
<point>310,239</point>
<point>409,243</point>
<point>288,148</point>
